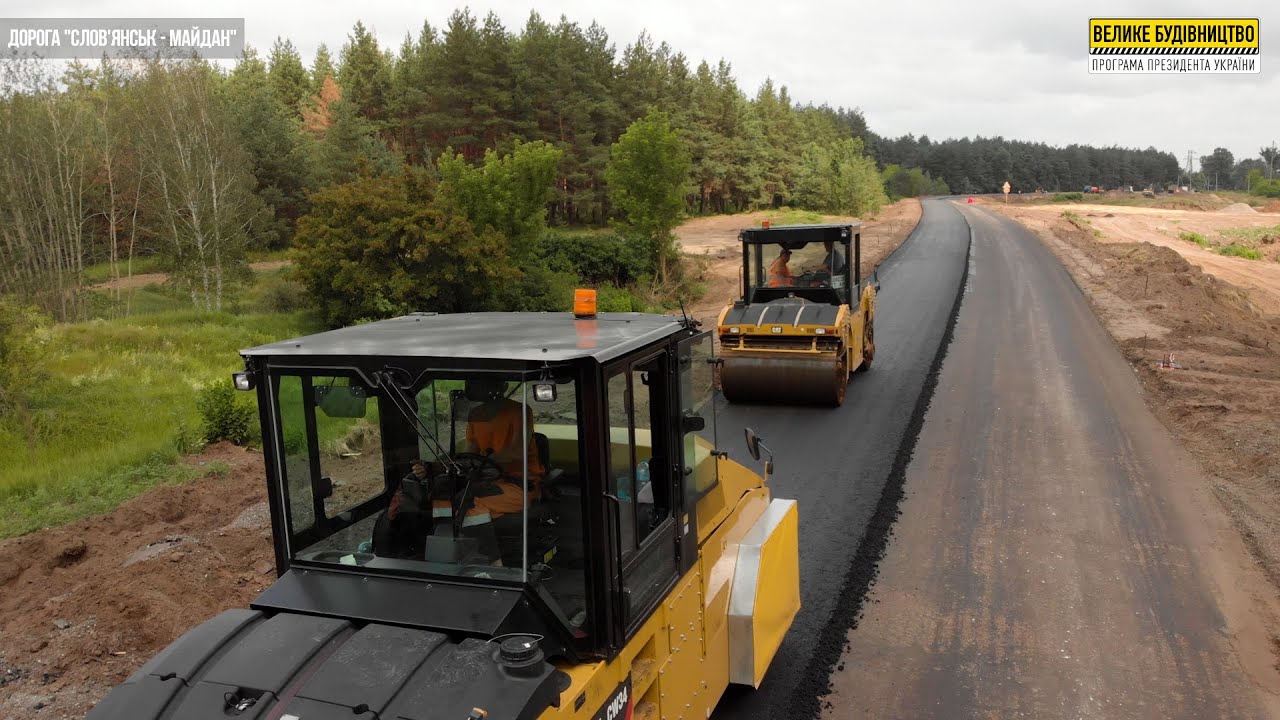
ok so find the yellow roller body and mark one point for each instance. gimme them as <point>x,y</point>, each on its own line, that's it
<point>767,359</point>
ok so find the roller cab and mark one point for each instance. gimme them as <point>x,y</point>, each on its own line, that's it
<point>506,516</point>
<point>805,320</point>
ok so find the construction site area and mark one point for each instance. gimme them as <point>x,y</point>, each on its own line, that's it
<point>1017,510</point>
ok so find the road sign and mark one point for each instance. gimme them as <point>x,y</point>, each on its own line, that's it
<point>1006,192</point>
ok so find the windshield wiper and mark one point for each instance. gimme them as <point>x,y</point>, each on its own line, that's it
<point>396,393</point>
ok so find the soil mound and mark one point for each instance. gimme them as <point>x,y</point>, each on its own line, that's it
<point>84,605</point>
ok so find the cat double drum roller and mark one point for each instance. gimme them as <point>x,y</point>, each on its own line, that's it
<point>805,321</point>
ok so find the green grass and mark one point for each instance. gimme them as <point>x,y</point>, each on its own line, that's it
<point>1265,235</point>
<point>1067,197</point>
<point>101,272</point>
<point>117,404</point>
<point>1194,237</point>
<point>791,216</point>
<point>1234,250</point>
<point>146,264</point>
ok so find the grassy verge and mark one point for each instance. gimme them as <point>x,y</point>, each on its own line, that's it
<point>143,264</point>
<point>1261,235</point>
<point>792,216</point>
<point>1240,251</point>
<point>1194,237</point>
<point>118,404</point>
<point>117,407</point>
<point>146,264</point>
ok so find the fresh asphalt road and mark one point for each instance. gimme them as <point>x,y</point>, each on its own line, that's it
<point>1054,557</point>
<point>837,461</point>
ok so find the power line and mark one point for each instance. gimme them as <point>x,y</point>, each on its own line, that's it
<point>1190,168</point>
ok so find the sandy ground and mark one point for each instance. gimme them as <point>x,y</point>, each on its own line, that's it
<point>1162,227</point>
<point>142,280</point>
<point>715,240</point>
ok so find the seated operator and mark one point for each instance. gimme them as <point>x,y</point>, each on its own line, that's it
<point>494,429</point>
<point>833,261</point>
<point>832,264</point>
<point>779,274</point>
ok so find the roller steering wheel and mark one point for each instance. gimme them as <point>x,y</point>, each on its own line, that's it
<point>483,465</point>
<point>476,468</point>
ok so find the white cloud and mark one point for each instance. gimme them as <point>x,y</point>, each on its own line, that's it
<point>942,68</point>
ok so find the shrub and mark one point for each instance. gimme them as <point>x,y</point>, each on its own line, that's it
<point>1267,188</point>
<point>1234,250</point>
<point>1066,197</point>
<point>540,289</point>
<point>614,299</point>
<point>281,295</point>
<point>185,440</point>
<point>603,258</point>
<point>1194,237</point>
<point>222,417</point>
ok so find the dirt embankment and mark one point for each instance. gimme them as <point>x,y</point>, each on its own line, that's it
<point>1175,229</point>
<point>1222,398</point>
<point>84,605</point>
<point>715,241</point>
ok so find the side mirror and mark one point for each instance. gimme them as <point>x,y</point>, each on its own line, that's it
<point>341,401</point>
<point>753,444</point>
<point>325,488</point>
<point>692,423</point>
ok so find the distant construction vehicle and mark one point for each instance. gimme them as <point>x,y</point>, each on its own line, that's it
<point>795,336</point>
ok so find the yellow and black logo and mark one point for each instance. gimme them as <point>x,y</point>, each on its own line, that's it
<point>1174,44</point>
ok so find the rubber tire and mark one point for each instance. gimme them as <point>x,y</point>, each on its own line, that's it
<point>868,346</point>
<point>841,380</point>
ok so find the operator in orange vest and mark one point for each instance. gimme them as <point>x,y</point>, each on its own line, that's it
<point>494,428</point>
<point>779,274</point>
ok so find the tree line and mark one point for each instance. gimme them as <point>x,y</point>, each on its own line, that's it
<point>983,165</point>
<point>184,161</point>
<point>1256,175</point>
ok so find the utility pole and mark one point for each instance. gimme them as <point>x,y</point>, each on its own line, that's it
<point>1190,168</point>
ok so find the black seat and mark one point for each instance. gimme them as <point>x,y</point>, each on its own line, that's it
<point>553,475</point>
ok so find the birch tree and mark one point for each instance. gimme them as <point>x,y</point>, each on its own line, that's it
<point>46,163</point>
<point>199,188</point>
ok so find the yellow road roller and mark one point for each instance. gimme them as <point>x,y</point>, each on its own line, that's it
<point>507,516</point>
<point>806,318</point>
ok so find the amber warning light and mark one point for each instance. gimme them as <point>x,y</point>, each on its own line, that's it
<point>584,303</point>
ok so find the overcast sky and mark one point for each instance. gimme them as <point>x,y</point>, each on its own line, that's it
<point>943,68</point>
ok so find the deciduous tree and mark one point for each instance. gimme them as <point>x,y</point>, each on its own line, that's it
<point>383,246</point>
<point>648,175</point>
